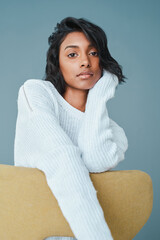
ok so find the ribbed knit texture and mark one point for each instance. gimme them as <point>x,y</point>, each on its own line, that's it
<point>67,144</point>
<point>101,140</point>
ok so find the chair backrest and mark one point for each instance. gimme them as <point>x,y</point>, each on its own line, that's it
<point>29,210</point>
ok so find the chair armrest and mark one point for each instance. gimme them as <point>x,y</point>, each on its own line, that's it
<point>29,210</point>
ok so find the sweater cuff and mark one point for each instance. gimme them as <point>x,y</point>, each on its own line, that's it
<point>104,87</point>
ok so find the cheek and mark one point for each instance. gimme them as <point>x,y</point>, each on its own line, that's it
<point>65,65</point>
<point>95,64</point>
<point>69,70</point>
<point>98,73</point>
<point>65,70</point>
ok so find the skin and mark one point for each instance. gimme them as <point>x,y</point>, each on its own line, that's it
<point>74,60</point>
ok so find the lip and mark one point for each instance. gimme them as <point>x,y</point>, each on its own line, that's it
<point>85,73</point>
<point>85,76</point>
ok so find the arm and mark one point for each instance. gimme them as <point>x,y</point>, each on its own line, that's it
<point>120,138</point>
<point>102,142</point>
<point>43,144</point>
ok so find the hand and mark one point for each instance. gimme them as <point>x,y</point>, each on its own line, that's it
<point>105,86</point>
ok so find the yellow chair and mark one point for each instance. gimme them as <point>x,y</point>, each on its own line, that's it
<point>29,210</point>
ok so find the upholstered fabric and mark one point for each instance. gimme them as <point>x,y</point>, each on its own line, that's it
<point>29,210</point>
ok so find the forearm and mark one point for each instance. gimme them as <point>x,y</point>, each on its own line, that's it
<point>97,139</point>
<point>120,138</point>
<point>69,180</point>
<point>99,151</point>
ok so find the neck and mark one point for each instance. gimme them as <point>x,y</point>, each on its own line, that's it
<point>76,97</point>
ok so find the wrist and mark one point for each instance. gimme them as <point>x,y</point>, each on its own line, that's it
<point>104,87</point>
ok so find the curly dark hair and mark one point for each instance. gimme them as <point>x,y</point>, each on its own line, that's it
<point>94,34</point>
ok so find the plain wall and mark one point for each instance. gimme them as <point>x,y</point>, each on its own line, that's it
<point>133,31</point>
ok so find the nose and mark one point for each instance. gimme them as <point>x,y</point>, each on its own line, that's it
<point>85,61</point>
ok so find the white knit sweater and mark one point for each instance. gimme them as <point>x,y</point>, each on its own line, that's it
<point>66,144</point>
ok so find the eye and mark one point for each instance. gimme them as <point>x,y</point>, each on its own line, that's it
<point>94,53</point>
<point>71,55</point>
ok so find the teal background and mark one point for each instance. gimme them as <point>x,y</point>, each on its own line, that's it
<point>133,31</point>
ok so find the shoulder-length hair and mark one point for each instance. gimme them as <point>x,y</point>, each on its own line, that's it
<point>94,34</point>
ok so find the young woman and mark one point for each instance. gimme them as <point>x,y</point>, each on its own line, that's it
<point>63,127</point>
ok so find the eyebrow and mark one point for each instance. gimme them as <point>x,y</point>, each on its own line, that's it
<point>75,46</point>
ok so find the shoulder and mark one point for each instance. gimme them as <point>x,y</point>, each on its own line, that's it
<point>38,94</point>
<point>37,85</point>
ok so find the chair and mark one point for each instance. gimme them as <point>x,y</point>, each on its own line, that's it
<point>29,210</point>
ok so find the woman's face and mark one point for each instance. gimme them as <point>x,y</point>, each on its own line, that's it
<point>79,61</point>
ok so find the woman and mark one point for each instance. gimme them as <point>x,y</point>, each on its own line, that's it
<point>63,127</point>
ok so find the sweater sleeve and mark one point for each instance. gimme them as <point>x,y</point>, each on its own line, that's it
<point>41,143</point>
<point>102,141</point>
